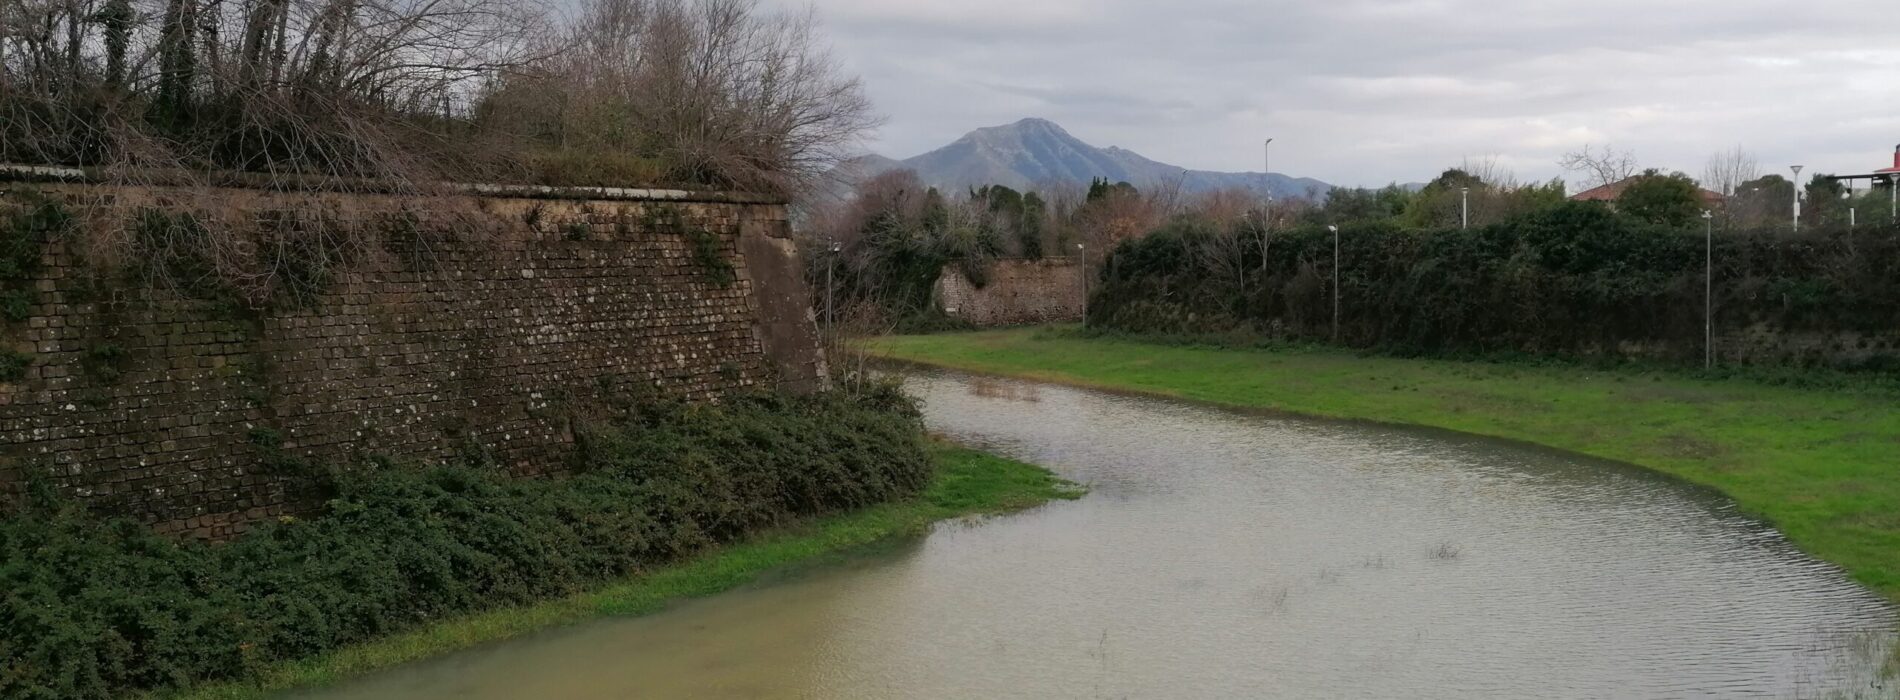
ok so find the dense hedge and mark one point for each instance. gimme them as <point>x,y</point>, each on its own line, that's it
<point>1576,279</point>
<point>95,609</point>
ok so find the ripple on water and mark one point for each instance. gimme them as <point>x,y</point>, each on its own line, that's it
<point>1229,555</point>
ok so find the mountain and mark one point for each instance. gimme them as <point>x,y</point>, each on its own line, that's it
<point>1033,151</point>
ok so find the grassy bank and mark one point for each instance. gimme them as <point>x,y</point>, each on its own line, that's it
<point>966,483</point>
<point>1822,465</point>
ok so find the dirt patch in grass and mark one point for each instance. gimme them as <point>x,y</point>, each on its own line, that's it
<point>1671,393</point>
<point>1883,521</point>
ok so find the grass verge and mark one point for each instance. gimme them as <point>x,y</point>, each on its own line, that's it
<point>1823,465</point>
<point>967,483</point>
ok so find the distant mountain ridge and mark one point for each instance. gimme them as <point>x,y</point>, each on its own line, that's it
<point>1033,151</point>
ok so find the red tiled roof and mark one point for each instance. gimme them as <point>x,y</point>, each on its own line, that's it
<point>1609,193</point>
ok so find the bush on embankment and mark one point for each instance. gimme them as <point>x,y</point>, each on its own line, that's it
<point>98,609</point>
<point>1576,279</point>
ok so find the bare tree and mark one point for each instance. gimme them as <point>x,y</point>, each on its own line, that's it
<point>1728,169</point>
<point>1220,255</point>
<point>1063,199</point>
<point>715,91</point>
<point>1491,172</point>
<point>1169,195</point>
<point>409,94</point>
<point>1120,216</point>
<point>1490,193</point>
<point>1600,167</point>
<point>356,88</point>
<point>846,354</point>
<point>175,94</point>
<point>1226,207</point>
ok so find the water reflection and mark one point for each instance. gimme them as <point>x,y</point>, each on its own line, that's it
<point>1228,555</point>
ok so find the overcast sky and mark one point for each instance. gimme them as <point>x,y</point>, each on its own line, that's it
<point>1365,92</point>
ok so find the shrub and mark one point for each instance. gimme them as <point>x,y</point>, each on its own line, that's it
<point>24,232</point>
<point>13,365</point>
<point>91,609</point>
<point>105,363</point>
<point>1574,279</point>
<point>710,255</point>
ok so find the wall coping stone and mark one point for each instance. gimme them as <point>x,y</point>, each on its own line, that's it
<point>240,180</point>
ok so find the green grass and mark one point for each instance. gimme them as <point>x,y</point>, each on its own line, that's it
<point>967,483</point>
<point>1823,465</point>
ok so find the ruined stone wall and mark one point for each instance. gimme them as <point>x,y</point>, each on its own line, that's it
<point>473,326</point>
<point>1015,293</point>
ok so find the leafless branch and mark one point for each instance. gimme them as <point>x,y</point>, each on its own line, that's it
<point>1600,167</point>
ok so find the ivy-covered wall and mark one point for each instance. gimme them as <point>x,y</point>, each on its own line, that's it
<point>181,356</point>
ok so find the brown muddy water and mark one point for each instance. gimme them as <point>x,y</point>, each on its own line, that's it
<point>1222,555</point>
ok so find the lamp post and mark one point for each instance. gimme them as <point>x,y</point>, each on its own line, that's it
<point>1335,232</point>
<point>1266,184</point>
<point>1464,208</point>
<point>1797,196</point>
<point>1893,197</point>
<point>1083,254</point>
<point>1708,289</point>
<point>1853,212</point>
<point>831,263</point>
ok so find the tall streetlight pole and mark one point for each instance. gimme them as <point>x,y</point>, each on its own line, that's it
<point>1335,231</point>
<point>1853,212</point>
<point>1464,207</point>
<point>1267,185</point>
<point>1083,254</point>
<point>1797,196</point>
<point>831,262</point>
<point>1708,289</point>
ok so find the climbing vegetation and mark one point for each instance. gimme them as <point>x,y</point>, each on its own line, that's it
<point>96,609</point>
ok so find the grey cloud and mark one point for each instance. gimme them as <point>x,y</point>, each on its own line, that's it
<point>1098,99</point>
<point>1370,91</point>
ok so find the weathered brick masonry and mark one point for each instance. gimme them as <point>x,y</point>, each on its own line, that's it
<point>1014,293</point>
<point>165,409</point>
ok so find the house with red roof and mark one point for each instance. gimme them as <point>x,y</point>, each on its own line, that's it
<point>1609,193</point>
<point>1895,170</point>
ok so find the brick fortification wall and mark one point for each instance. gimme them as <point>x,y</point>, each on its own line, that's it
<point>1015,293</point>
<point>176,410</point>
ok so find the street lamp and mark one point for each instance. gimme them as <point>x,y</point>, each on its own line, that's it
<point>1893,195</point>
<point>1853,212</point>
<point>1335,231</point>
<point>1708,289</point>
<point>1464,207</point>
<point>1797,196</point>
<point>831,262</point>
<point>1083,254</point>
<point>1267,185</point>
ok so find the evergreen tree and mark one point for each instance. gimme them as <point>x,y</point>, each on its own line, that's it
<point>1671,200</point>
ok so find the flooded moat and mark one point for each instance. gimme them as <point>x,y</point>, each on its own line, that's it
<point>1222,555</point>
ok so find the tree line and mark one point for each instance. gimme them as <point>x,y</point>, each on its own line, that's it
<point>1733,189</point>
<point>877,251</point>
<point>893,233</point>
<point>1533,272</point>
<point>622,92</point>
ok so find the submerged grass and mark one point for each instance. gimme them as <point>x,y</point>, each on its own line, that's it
<point>1823,465</point>
<point>966,483</point>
